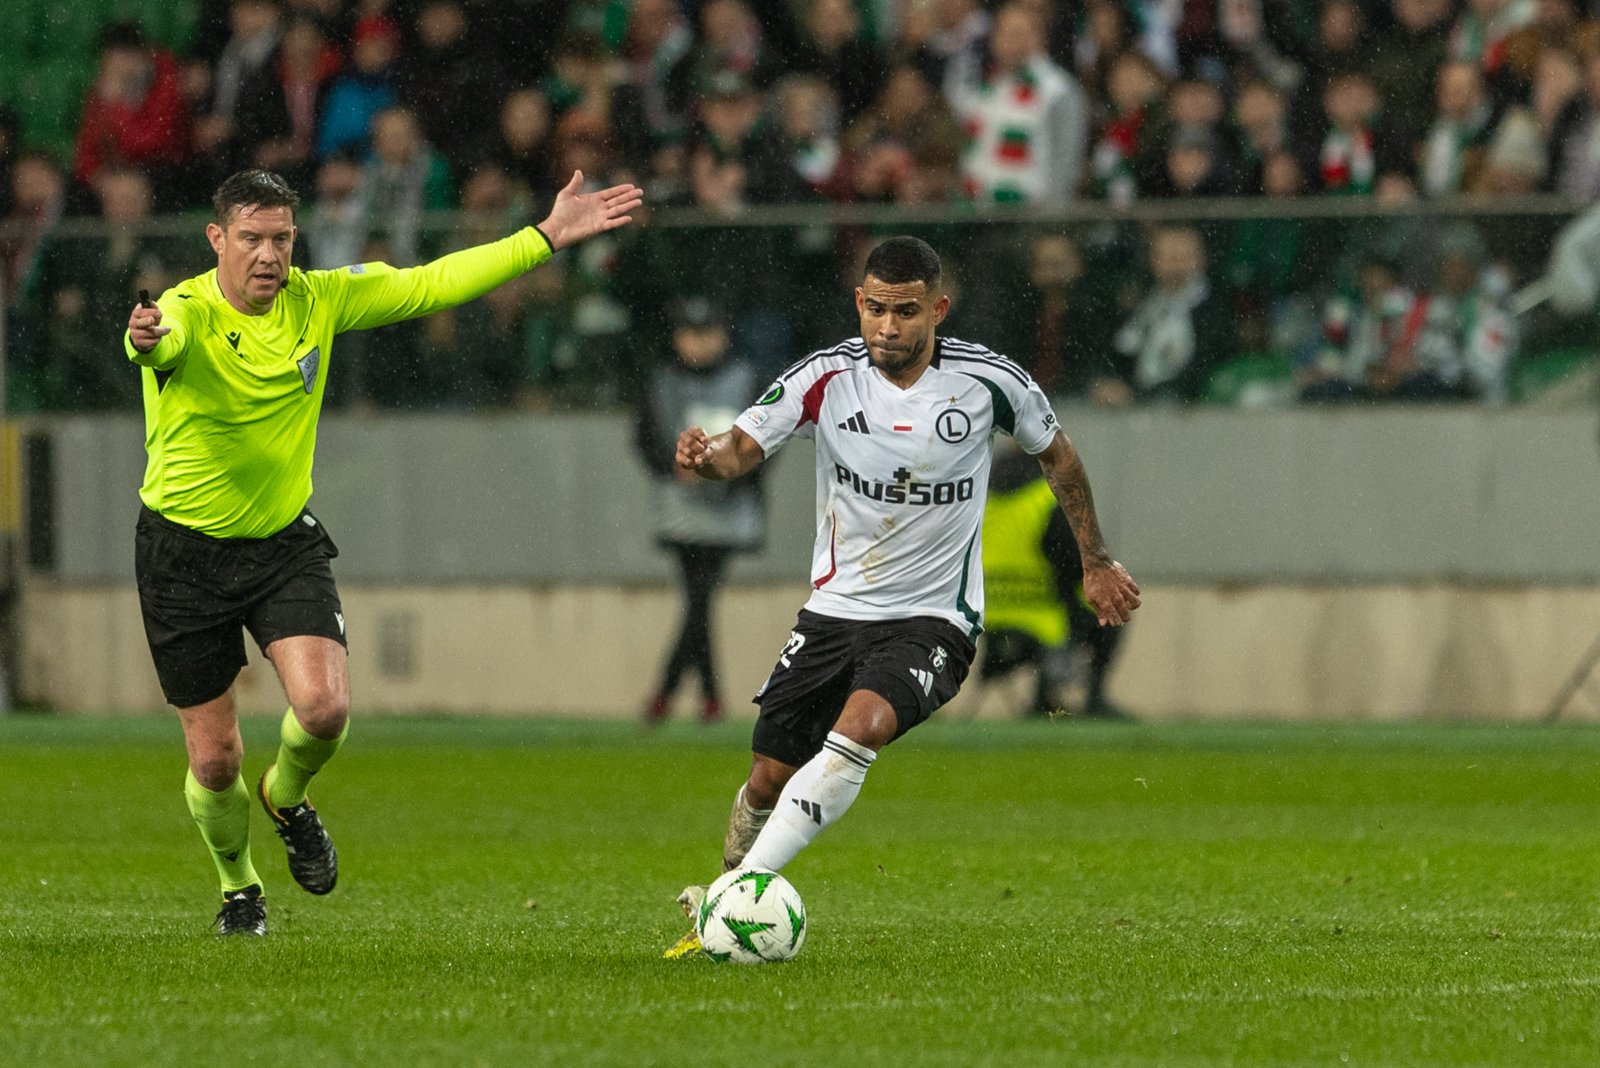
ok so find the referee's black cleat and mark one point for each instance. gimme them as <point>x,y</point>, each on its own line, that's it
<point>313,861</point>
<point>244,912</point>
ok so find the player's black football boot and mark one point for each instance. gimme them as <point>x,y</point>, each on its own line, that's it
<point>313,861</point>
<point>244,912</point>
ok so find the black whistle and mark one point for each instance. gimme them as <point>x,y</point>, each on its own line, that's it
<point>144,298</point>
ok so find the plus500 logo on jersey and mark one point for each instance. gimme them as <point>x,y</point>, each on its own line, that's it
<point>905,492</point>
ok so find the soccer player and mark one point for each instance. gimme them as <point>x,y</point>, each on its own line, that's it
<point>235,363</point>
<point>902,420</point>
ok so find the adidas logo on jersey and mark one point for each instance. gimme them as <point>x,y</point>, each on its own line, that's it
<point>925,678</point>
<point>856,424</point>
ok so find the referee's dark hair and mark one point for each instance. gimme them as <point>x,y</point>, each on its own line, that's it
<point>904,259</point>
<point>252,188</point>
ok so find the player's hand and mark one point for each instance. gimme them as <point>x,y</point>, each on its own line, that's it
<point>694,449</point>
<point>577,215</point>
<point>1112,592</point>
<point>144,327</point>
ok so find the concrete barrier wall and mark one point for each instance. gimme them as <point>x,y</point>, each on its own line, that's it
<point>1295,652</point>
<point>1367,564</point>
<point>1364,496</point>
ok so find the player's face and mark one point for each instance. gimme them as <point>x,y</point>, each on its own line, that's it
<point>897,323</point>
<point>253,255</point>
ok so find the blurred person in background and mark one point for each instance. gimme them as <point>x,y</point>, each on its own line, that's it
<point>808,115</point>
<point>1358,330</point>
<point>243,71</point>
<point>1132,135</point>
<point>135,114</point>
<point>1451,156</point>
<point>89,280</point>
<point>1034,612</point>
<point>700,523</point>
<point>1178,333</point>
<point>909,121</point>
<point>280,123</point>
<point>445,72</point>
<point>1347,161</point>
<point>522,141</point>
<point>738,157</point>
<point>833,48</point>
<point>403,179</point>
<point>38,197</point>
<point>1577,144</point>
<point>362,90</point>
<point>1026,117</point>
<point>1403,63</point>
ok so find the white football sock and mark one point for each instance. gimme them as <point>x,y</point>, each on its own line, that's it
<point>817,795</point>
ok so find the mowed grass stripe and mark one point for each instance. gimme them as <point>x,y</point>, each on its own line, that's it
<point>1002,893</point>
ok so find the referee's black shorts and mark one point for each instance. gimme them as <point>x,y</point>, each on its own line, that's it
<point>916,664</point>
<point>199,593</point>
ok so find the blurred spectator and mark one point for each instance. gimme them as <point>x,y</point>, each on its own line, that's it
<point>1027,119</point>
<point>1403,64</point>
<point>335,230</point>
<point>135,113</point>
<point>1515,162</point>
<point>1130,139</point>
<point>701,523</point>
<point>404,178</point>
<point>955,36</point>
<point>1358,330</point>
<point>92,280</point>
<point>738,157</point>
<point>580,78</point>
<point>1194,166</point>
<point>38,197</point>
<point>1059,321</point>
<point>809,118</point>
<point>1104,35</point>
<point>730,42</point>
<point>445,71</point>
<point>657,50</point>
<point>1261,115</point>
<point>832,48</point>
<point>1481,33</point>
<point>1576,142</point>
<point>242,72</point>
<point>1456,342</point>
<point>522,146</point>
<point>1178,333</point>
<point>282,120</point>
<point>909,123</point>
<point>1348,159</point>
<point>362,91</point>
<point>1452,154</point>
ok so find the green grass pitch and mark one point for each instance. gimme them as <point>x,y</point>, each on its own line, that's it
<point>1002,893</point>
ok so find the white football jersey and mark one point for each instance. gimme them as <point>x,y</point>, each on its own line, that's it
<point>901,473</point>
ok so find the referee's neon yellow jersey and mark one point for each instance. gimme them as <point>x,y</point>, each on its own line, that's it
<point>231,400</point>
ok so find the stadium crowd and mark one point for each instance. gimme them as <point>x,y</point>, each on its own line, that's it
<point>382,111</point>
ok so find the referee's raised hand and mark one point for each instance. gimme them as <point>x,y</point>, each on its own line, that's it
<point>144,325</point>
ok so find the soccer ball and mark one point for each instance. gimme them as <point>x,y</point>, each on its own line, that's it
<point>751,917</point>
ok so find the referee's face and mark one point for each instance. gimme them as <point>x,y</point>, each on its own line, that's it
<point>253,254</point>
<point>897,323</point>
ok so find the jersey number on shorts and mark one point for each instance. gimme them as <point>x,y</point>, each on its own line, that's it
<point>796,640</point>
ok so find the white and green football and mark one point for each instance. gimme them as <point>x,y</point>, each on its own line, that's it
<point>751,917</point>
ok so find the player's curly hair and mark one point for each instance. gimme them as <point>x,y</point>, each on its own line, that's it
<point>252,188</point>
<point>904,259</point>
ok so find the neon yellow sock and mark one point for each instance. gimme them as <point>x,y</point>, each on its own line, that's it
<point>224,821</point>
<point>300,756</point>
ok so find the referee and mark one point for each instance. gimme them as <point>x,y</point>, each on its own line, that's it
<point>235,363</point>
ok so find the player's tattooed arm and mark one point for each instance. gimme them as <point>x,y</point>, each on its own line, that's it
<point>718,457</point>
<point>1106,583</point>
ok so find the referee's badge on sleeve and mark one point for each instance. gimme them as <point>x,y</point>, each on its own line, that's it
<point>308,367</point>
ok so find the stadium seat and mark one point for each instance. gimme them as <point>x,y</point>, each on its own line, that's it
<point>1258,380</point>
<point>1532,375</point>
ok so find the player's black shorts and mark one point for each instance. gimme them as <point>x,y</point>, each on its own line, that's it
<point>915,664</point>
<point>197,592</point>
